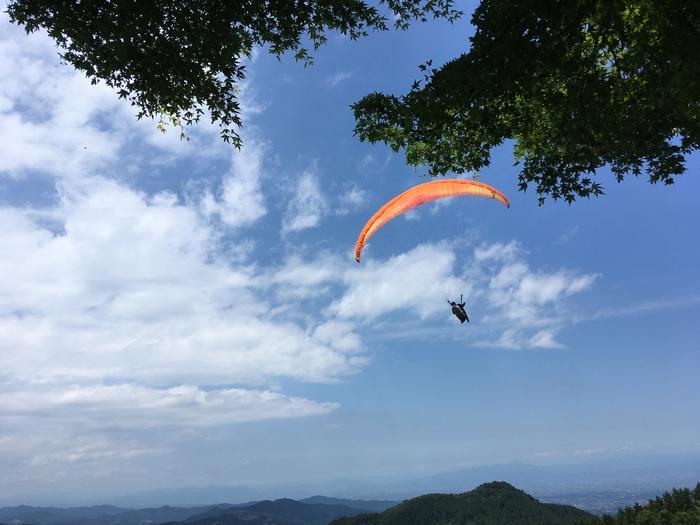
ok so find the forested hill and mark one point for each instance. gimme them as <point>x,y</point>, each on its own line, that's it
<point>678,507</point>
<point>278,512</point>
<point>491,503</point>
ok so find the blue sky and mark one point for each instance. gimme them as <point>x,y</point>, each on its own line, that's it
<point>178,313</point>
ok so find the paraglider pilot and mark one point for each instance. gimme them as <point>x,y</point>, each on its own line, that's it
<point>458,310</point>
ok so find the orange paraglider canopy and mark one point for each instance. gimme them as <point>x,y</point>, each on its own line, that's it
<point>426,192</point>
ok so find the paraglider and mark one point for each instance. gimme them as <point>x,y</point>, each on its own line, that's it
<point>420,194</point>
<point>458,310</point>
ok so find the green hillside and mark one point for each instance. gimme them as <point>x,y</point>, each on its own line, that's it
<point>278,512</point>
<point>496,503</point>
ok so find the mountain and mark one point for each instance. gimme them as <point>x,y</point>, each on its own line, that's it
<point>54,515</point>
<point>149,516</point>
<point>491,503</point>
<point>98,515</point>
<point>319,510</point>
<point>278,512</point>
<point>373,505</point>
<point>235,519</point>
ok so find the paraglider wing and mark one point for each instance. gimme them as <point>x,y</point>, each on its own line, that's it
<point>420,194</point>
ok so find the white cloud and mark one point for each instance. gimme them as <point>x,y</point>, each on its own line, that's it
<point>54,121</point>
<point>419,280</point>
<point>514,307</point>
<point>510,338</point>
<point>338,334</point>
<point>522,294</point>
<point>641,308</point>
<point>307,206</point>
<point>352,199</point>
<point>544,339</point>
<point>62,433</point>
<point>337,78</point>
<point>496,251</point>
<point>589,451</point>
<point>122,285</point>
<point>308,273</point>
<point>525,299</point>
<point>119,284</point>
<point>130,286</point>
<point>135,406</point>
<point>133,287</point>
<point>49,118</point>
<point>240,200</point>
<point>49,454</point>
<point>298,278</point>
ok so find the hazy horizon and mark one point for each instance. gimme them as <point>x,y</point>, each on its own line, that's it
<point>625,473</point>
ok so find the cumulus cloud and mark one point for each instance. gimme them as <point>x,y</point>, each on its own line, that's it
<point>120,284</point>
<point>240,200</point>
<point>418,280</point>
<point>299,278</point>
<point>237,199</point>
<point>525,300</point>
<point>307,206</point>
<point>521,292</point>
<point>518,307</point>
<point>54,121</point>
<point>60,134</point>
<point>496,251</point>
<point>132,286</point>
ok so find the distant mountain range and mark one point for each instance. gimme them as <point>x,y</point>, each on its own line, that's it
<point>596,486</point>
<point>316,510</point>
<point>639,476</point>
<point>494,503</point>
<point>97,515</point>
<point>279,512</point>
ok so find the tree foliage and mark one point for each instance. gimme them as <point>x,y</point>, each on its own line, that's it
<point>576,84</point>
<point>178,60</point>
